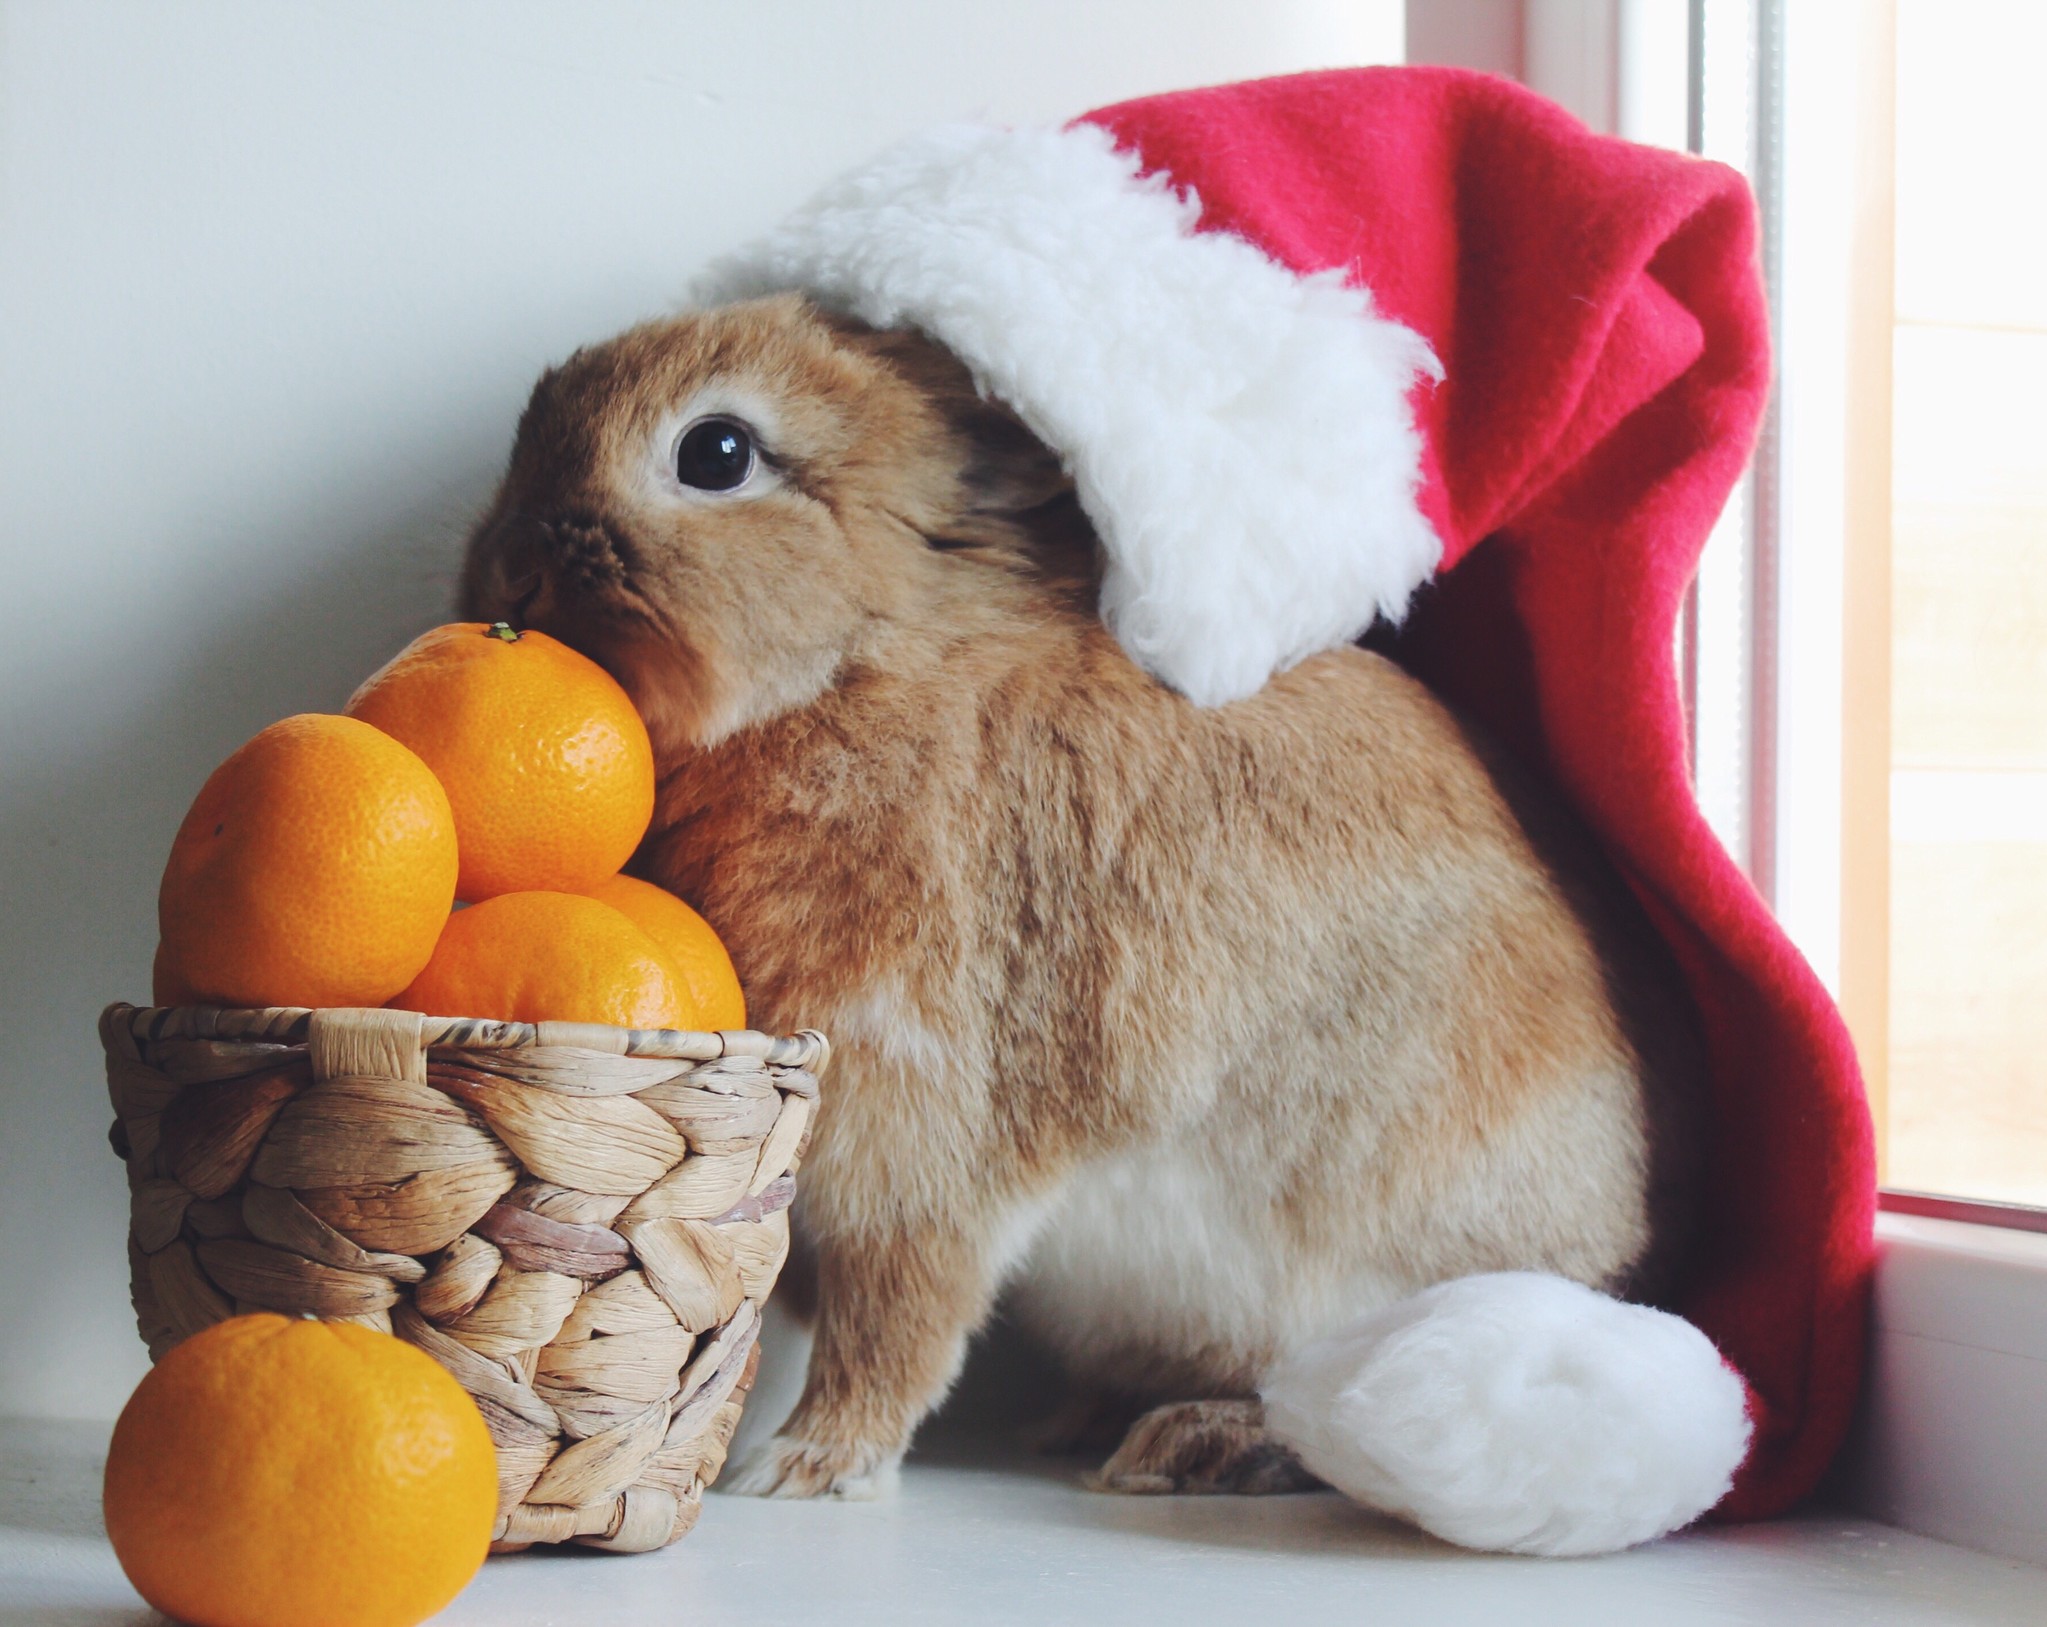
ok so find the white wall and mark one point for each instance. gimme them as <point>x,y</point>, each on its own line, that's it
<point>274,280</point>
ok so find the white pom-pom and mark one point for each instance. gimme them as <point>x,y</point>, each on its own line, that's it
<point>1518,1412</point>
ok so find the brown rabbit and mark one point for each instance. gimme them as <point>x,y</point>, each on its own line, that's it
<point>1196,1031</point>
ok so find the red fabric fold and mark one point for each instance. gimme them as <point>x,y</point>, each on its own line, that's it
<point>1601,321</point>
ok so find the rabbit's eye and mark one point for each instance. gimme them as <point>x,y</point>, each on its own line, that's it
<point>714,455</point>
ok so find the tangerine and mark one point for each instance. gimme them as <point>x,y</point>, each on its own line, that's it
<point>690,942</point>
<point>279,1473</point>
<point>167,985</point>
<point>545,760</point>
<point>314,869</point>
<point>542,956</point>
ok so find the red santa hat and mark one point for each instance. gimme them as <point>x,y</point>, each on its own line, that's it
<point>1309,343</point>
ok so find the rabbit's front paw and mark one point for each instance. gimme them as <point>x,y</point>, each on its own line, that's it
<point>789,1467</point>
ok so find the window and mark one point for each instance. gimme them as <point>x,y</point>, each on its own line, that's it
<point>1891,635</point>
<point>1866,644</point>
<point>1967,1026</point>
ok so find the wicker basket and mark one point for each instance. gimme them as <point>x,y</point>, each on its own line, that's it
<point>580,1223</point>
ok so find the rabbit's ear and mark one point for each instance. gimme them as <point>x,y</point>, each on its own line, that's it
<point>1007,470</point>
<point>1010,471</point>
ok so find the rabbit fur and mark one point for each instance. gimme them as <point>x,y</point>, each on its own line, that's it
<point>1192,1032</point>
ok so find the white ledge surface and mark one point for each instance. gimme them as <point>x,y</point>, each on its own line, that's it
<point>1023,1544</point>
<point>1952,1435</point>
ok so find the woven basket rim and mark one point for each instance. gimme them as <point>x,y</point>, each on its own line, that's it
<point>807,1049</point>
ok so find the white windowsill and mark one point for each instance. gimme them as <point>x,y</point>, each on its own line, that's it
<point>1949,1445</point>
<point>978,1538</point>
<point>1952,1436</point>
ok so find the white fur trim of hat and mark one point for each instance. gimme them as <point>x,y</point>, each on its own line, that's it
<point>1240,435</point>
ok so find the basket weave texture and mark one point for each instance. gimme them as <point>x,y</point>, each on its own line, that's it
<point>580,1223</point>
